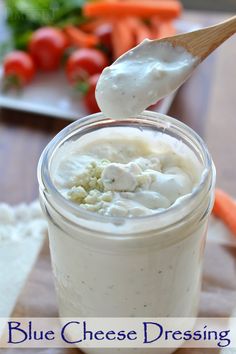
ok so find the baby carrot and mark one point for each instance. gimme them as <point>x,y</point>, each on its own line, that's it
<point>167,9</point>
<point>92,25</point>
<point>161,28</point>
<point>139,29</point>
<point>80,38</point>
<point>155,24</point>
<point>225,209</point>
<point>122,38</point>
<point>166,29</point>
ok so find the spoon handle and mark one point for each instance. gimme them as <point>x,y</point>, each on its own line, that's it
<point>202,42</point>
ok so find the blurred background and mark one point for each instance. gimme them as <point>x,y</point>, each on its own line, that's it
<point>212,5</point>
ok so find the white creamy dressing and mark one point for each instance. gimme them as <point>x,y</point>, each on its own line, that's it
<point>136,175</point>
<point>141,77</point>
<point>125,172</point>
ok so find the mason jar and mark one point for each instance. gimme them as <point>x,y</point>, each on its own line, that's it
<point>148,266</point>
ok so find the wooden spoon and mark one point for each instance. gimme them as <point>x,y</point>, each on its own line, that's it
<point>202,42</point>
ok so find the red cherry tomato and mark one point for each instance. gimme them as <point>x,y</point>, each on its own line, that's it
<point>104,33</point>
<point>84,63</point>
<point>47,46</point>
<point>89,98</point>
<point>18,68</point>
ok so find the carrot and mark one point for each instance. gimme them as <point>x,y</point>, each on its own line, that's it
<point>225,209</point>
<point>155,24</point>
<point>162,29</point>
<point>167,9</point>
<point>166,29</point>
<point>139,29</point>
<point>80,38</point>
<point>122,38</point>
<point>92,25</point>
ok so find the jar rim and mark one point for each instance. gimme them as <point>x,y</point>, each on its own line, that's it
<point>75,212</point>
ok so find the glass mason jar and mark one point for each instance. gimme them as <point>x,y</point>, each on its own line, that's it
<point>146,266</point>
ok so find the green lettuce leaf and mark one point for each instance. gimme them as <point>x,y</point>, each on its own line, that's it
<point>24,16</point>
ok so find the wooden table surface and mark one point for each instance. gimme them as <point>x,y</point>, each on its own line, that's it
<point>207,102</point>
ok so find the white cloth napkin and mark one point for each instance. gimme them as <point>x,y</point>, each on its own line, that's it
<point>22,230</point>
